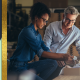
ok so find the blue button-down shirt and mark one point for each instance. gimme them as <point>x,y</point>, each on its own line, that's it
<point>29,44</point>
<point>57,41</point>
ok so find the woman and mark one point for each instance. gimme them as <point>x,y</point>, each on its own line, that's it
<point>30,43</point>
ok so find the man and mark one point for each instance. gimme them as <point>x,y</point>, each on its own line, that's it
<point>30,43</point>
<point>60,35</point>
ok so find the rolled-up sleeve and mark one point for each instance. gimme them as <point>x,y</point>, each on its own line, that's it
<point>31,39</point>
<point>44,47</point>
<point>40,52</point>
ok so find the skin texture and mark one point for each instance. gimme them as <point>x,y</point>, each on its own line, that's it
<point>68,24</point>
<point>39,23</point>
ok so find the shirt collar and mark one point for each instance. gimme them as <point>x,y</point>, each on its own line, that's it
<point>32,26</point>
<point>60,26</point>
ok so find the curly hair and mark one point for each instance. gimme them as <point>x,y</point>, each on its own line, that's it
<point>38,9</point>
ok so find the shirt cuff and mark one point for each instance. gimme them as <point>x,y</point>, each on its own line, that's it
<point>40,52</point>
<point>48,51</point>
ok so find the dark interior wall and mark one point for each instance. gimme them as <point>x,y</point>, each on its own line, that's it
<point>75,3</point>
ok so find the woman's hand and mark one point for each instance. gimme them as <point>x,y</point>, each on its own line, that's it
<point>68,57</point>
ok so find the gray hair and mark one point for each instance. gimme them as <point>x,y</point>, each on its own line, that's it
<point>71,10</point>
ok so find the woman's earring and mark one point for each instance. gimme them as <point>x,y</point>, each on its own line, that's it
<point>63,20</point>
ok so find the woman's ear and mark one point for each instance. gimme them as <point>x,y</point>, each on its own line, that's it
<point>36,18</point>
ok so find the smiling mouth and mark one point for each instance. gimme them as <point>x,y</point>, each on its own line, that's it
<point>68,24</point>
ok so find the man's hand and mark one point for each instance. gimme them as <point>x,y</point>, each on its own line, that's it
<point>67,57</point>
<point>57,56</point>
<point>61,63</point>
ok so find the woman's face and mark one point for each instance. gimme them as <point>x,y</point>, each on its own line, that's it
<point>41,22</point>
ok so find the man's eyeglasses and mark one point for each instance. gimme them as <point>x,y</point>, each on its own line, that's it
<point>68,20</point>
<point>44,20</point>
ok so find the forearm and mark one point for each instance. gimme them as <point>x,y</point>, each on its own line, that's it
<point>51,55</point>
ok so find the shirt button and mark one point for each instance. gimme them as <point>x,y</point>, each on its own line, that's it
<point>62,42</point>
<point>57,50</point>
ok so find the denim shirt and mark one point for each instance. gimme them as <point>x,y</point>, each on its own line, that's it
<point>29,44</point>
<point>57,41</point>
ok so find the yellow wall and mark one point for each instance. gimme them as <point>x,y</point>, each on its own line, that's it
<point>24,2</point>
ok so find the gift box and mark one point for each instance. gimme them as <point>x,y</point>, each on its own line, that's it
<point>71,71</point>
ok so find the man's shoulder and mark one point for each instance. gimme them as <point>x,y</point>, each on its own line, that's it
<point>54,24</point>
<point>76,28</point>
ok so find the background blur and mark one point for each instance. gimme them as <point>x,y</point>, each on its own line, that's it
<point>18,17</point>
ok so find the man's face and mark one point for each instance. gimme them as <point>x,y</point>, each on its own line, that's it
<point>69,20</point>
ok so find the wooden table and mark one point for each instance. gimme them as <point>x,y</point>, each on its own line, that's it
<point>67,77</point>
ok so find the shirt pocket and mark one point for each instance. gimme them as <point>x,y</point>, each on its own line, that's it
<point>57,38</point>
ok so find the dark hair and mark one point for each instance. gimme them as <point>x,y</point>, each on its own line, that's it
<point>38,9</point>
